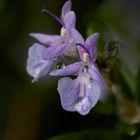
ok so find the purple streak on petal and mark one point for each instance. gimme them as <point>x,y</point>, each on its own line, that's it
<point>68,93</point>
<point>85,90</point>
<point>48,39</point>
<point>67,70</point>
<point>52,15</point>
<point>66,8</point>
<point>91,42</point>
<point>36,65</point>
<point>54,51</point>
<point>69,20</point>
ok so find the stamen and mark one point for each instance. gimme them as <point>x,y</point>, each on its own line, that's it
<point>63,32</point>
<point>87,53</point>
<point>85,57</point>
<point>44,10</point>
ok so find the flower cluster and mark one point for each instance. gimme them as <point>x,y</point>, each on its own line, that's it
<point>83,92</point>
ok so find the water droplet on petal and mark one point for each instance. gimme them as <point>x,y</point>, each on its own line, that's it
<point>59,65</point>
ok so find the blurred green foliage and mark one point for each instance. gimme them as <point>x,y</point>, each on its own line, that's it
<point>33,111</point>
<point>90,135</point>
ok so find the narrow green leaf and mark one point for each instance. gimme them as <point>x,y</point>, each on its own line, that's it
<point>89,135</point>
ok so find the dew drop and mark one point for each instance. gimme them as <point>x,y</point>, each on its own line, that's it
<point>59,65</point>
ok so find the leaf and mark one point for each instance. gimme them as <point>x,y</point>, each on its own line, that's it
<point>90,135</point>
<point>138,87</point>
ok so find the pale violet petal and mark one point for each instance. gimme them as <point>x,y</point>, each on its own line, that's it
<point>94,93</point>
<point>80,94</point>
<point>68,93</point>
<point>54,51</point>
<point>89,92</point>
<point>66,8</point>
<point>96,75</point>
<point>83,106</point>
<point>92,39</point>
<point>71,51</point>
<point>67,70</point>
<point>36,65</point>
<point>91,42</point>
<point>78,39</point>
<point>69,20</point>
<point>77,36</point>
<point>45,39</point>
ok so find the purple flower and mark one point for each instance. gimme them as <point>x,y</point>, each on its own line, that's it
<point>82,93</point>
<point>68,21</point>
<point>41,57</point>
<point>36,65</point>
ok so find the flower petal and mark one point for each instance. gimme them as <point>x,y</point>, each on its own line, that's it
<point>89,93</point>
<point>36,65</point>
<point>48,39</point>
<point>96,75</point>
<point>80,94</point>
<point>68,93</point>
<point>69,20</point>
<point>66,8</point>
<point>91,42</point>
<point>83,106</point>
<point>54,51</point>
<point>67,70</point>
<point>78,39</point>
<point>94,92</point>
<point>77,36</point>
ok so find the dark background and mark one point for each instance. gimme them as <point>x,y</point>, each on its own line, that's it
<point>33,111</point>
